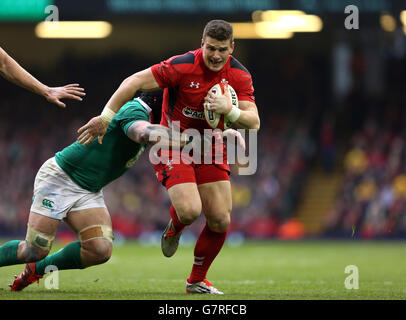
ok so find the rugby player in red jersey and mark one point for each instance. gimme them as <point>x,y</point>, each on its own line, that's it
<point>192,188</point>
<point>16,74</point>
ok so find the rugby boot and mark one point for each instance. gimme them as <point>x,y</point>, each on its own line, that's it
<point>26,277</point>
<point>202,287</point>
<point>170,240</point>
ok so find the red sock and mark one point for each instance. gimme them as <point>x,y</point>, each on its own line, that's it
<point>207,247</point>
<point>179,226</point>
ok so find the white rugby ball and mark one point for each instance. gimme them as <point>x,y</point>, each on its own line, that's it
<point>214,119</point>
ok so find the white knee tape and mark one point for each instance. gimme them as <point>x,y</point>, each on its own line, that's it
<point>39,239</point>
<point>96,232</point>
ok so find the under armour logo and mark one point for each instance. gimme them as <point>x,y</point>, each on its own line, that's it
<point>169,165</point>
<point>196,85</point>
<point>224,80</point>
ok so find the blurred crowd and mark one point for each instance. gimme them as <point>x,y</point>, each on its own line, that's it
<point>372,199</point>
<point>371,202</point>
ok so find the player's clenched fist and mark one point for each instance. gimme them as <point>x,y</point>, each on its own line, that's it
<point>219,103</point>
<point>96,127</point>
<point>231,133</point>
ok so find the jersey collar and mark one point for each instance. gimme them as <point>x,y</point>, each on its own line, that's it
<point>146,107</point>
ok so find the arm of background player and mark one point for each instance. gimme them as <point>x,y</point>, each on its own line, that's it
<point>96,127</point>
<point>249,117</point>
<point>14,73</point>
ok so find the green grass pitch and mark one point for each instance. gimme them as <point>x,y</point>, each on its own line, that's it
<point>269,270</point>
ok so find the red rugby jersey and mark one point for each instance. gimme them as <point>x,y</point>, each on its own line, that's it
<point>187,80</point>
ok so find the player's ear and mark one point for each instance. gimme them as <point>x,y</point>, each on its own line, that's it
<point>232,47</point>
<point>202,43</point>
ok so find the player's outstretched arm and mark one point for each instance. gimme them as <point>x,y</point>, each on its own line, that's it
<point>16,74</point>
<point>97,126</point>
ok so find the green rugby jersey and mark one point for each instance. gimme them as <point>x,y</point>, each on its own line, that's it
<point>94,166</point>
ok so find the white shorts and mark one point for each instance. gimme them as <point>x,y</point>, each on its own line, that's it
<point>55,194</point>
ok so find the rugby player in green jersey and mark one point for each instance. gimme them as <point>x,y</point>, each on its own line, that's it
<point>16,74</point>
<point>69,186</point>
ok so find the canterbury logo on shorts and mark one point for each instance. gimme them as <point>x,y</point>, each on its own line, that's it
<point>46,203</point>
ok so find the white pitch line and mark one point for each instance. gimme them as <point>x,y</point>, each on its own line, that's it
<point>254,282</point>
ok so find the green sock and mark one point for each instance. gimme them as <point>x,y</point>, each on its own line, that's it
<point>64,259</point>
<point>8,253</point>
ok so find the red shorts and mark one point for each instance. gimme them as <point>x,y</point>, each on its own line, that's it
<point>170,174</point>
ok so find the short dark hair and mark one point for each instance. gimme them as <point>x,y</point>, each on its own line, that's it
<point>218,29</point>
<point>154,100</point>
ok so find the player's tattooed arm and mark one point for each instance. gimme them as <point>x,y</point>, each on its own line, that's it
<point>146,133</point>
